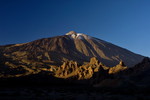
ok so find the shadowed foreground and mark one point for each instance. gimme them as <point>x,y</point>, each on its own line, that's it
<point>74,93</point>
<point>127,84</point>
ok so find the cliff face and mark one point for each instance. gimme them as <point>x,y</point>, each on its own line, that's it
<point>94,69</point>
<point>116,69</point>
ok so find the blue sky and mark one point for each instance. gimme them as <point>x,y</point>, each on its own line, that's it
<point>122,22</point>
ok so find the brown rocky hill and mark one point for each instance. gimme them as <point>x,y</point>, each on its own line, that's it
<point>72,46</point>
<point>65,56</point>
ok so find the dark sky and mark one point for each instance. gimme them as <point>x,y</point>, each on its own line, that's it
<point>122,22</point>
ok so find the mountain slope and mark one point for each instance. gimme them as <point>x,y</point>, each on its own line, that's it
<point>72,46</point>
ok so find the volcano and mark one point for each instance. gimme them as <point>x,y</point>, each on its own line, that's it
<point>73,59</point>
<point>71,46</point>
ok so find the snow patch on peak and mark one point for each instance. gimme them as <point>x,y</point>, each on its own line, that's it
<point>71,33</point>
<point>75,35</point>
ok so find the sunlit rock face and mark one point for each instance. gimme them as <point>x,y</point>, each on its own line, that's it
<point>116,69</point>
<point>70,69</point>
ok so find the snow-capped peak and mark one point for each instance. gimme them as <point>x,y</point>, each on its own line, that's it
<point>75,35</point>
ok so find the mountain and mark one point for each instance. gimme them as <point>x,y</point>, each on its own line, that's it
<point>71,63</point>
<point>48,54</point>
<point>72,46</point>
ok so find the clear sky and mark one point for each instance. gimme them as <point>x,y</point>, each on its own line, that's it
<point>122,22</point>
